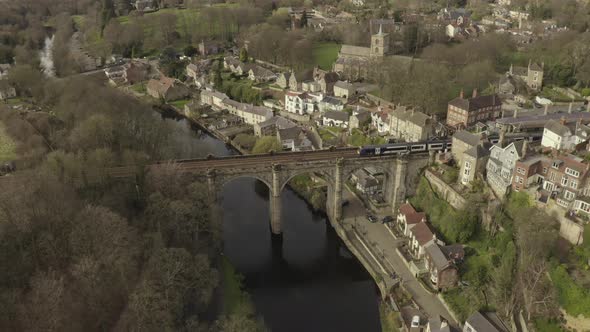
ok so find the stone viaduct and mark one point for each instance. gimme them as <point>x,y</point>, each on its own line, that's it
<point>401,175</point>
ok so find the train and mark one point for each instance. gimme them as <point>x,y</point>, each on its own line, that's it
<point>434,145</point>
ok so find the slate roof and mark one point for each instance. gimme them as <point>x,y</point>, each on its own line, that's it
<point>467,137</point>
<point>473,104</point>
<point>520,71</point>
<point>278,121</point>
<point>422,233</point>
<point>558,128</point>
<point>344,85</point>
<point>261,72</point>
<point>536,67</point>
<point>332,100</point>
<point>479,150</point>
<point>336,115</point>
<point>437,257</point>
<point>358,51</point>
<point>486,323</point>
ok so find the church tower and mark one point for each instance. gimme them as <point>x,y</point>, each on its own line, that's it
<point>380,43</point>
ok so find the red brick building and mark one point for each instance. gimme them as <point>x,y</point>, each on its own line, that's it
<point>466,112</point>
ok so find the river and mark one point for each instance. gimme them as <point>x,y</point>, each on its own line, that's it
<point>306,281</point>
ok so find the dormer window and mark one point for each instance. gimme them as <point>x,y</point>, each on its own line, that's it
<point>572,172</point>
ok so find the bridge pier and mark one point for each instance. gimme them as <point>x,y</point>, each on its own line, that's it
<point>275,201</point>
<point>399,185</point>
<point>214,211</point>
<point>337,194</point>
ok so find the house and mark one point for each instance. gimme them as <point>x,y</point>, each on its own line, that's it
<point>335,119</point>
<point>299,103</point>
<point>326,79</point>
<point>167,88</point>
<point>343,89</point>
<point>530,171</point>
<point>297,79</point>
<point>532,75</point>
<point>365,183</point>
<point>272,125</point>
<point>6,91</point>
<point>506,86</point>
<point>484,322</point>
<point>4,69</point>
<point>359,118</point>
<point>213,98</point>
<point>136,71</point>
<point>474,162</point>
<point>294,139</point>
<point>311,86</point>
<point>283,80</point>
<point>566,179</point>
<point>192,71</point>
<point>381,120</point>
<point>501,164</point>
<point>208,48</point>
<point>115,75</point>
<point>407,218</point>
<point>230,63</point>
<point>145,5</point>
<point>461,142</point>
<point>410,125</point>
<point>250,114</point>
<point>260,74</point>
<point>464,112</point>
<point>562,136</point>
<point>443,272</point>
<point>420,237</point>
<point>330,104</point>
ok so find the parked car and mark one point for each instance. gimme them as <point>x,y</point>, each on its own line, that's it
<point>372,218</point>
<point>387,219</point>
<point>416,321</point>
<point>345,203</point>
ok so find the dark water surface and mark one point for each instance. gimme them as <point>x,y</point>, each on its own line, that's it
<point>304,281</point>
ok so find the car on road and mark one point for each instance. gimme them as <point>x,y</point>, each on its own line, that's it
<point>387,219</point>
<point>372,218</point>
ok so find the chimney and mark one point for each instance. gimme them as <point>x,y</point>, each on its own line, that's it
<point>588,106</point>
<point>502,138</point>
<point>462,94</point>
<point>546,109</point>
<point>562,120</point>
<point>515,115</point>
<point>569,110</point>
<point>510,69</point>
<point>525,147</point>
<point>530,62</point>
<point>502,116</point>
<point>474,93</point>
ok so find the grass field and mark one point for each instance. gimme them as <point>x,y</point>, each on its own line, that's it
<point>7,146</point>
<point>325,54</point>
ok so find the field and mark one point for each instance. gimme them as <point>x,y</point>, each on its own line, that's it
<point>325,54</point>
<point>7,146</point>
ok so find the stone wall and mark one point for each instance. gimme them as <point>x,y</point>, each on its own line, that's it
<point>445,191</point>
<point>571,231</point>
<point>296,117</point>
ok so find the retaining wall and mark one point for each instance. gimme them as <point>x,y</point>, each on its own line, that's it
<point>446,191</point>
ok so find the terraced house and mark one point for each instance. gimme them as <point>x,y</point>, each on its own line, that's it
<point>466,112</point>
<point>410,125</point>
<point>501,165</point>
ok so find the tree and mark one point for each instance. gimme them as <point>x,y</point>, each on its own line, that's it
<point>243,54</point>
<point>267,144</point>
<point>504,286</point>
<point>190,51</point>
<point>107,12</point>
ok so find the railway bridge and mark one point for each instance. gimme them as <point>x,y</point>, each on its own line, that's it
<point>276,170</point>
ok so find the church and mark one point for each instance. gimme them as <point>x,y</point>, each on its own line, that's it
<point>353,61</point>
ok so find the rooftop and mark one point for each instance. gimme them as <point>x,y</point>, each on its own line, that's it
<point>422,233</point>
<point>467,137</point>
<point>336,115</point>
<point>479,102</point>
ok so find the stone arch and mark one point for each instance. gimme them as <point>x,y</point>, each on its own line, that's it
<point>388,177</point>
<point>324,173</point>
<point>225,179</point>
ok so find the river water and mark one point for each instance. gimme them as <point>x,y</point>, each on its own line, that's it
<point>305,282</point>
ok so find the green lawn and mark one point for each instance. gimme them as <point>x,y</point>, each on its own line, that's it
<point>545,325</point>
<point>7,146</point>
<point>233,295</point>
<point>324,54</point>
<point>139,88</point>
<point>179,103</point>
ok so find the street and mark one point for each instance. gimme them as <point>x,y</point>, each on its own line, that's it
<point>383,243</point>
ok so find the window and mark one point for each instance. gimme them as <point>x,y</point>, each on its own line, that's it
<point>564,181</point>
<point>552,176</point>
<point>520,170</point>
<point>574,184</point>
<point>556,164</point>
<point>467,165</point>
<point>466,171</point>
<point>572,172</point>
<point>544,170</point>
<point>569,195</point>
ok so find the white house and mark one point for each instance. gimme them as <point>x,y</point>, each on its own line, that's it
<point>299,103</point>
<point>213,98</point>
<point>561,136</point>
<point>381,121</point>
<point>501,163</point>
<point>330,104</point>
<point>335,119</point>
<point>248,113</point>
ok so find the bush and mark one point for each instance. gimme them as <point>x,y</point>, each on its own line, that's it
<point>586,92</point>
<point>267,144</point>
<point>574,298</point>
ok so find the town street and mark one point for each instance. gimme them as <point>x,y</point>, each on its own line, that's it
<point>383,243</point>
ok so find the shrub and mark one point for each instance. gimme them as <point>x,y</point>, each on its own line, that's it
<point>574,298</point>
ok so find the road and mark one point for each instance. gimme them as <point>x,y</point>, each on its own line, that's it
<point>384,243</point>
